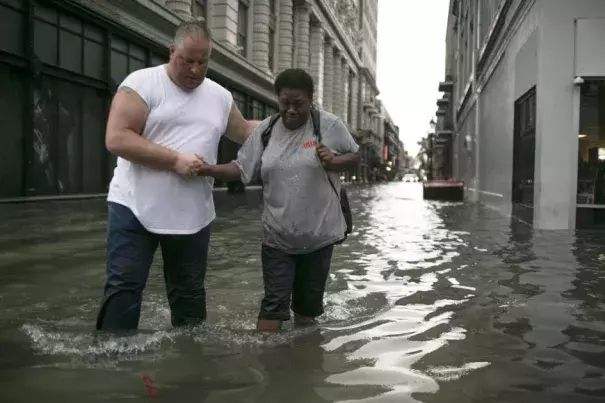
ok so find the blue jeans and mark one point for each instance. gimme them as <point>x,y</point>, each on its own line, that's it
<point>130,251</point>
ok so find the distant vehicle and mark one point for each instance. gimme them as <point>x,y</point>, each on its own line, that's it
<point>410,178</point>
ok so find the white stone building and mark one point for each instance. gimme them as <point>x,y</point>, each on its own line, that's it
<point>523,112</point>
<point>61,61</point>
<point>335,40</point>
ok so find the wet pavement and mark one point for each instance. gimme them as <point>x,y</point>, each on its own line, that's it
<point>427,302</point>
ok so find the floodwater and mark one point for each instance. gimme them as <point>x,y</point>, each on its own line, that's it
<point>427,302</point>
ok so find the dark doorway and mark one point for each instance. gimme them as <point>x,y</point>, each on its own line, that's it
<point>524,156</point>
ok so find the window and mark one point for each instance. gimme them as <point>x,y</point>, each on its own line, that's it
<point>125,58</point>
<point>351,95</point>
<point>157,60</point>
<point>63,41</point>
<point>258,110</point>
<point>12,95</point>
<point>272,29</point>
<point>524,150</point>
<point>13,29</point>
<point>242,26</point>
<point>240,100</point>
<point>591,156</point>
<point>271,56</point>
<point>198,8</point>
<point>69,125</point>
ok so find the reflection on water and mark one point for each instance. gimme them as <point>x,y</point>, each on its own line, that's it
<point>427,302</point>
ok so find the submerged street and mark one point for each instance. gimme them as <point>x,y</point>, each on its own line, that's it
<point>427,302</point>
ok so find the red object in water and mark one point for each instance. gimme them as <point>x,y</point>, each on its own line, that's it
<point>151,390</point>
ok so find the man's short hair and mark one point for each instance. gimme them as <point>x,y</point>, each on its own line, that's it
<point>189,29</point>
<point>297,79</point>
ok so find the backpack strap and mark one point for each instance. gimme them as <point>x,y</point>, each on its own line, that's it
<point>316,118</point>
<point>266,135</point>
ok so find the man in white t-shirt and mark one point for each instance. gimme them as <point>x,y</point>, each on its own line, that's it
<point>165,122</point>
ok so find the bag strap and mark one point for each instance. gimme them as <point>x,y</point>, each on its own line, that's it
<point>266,135</point>
<point>316,119</point>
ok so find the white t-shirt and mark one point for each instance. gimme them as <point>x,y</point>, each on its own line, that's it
<point>189,122</point>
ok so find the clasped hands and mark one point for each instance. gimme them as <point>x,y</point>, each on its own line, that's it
<point>190,165</point>
<point>194,165</point>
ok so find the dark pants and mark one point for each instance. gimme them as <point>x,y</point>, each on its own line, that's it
<point>130,251</point>
<point>294,281</point>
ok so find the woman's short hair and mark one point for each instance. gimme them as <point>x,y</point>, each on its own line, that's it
<point>296,79</point>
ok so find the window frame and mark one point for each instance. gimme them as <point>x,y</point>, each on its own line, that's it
<point>242,34</point>
<point>199,5</point>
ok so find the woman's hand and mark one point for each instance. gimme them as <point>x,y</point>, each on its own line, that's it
<point>325,155</point>
<point>202,169</point>
<point>224,172</point>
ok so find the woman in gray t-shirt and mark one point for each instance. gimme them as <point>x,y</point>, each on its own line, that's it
<point>302,217</point>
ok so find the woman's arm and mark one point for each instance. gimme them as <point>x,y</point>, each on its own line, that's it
<point>340,163</point>
<point>225,172</point>
<point>340,150</point>
<point>246,166</point>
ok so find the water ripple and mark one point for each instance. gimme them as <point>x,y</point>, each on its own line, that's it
<point>426,302</point>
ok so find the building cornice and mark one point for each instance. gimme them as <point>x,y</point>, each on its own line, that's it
<point>492,33</point>
<point>157,24</point>
<point>368,74</point>
<point>328,18</point>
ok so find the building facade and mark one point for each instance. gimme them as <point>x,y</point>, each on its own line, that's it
<point>392,148</point>
<point>61,62</point>
<point>522,115</point>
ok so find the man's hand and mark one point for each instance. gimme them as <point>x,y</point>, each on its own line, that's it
<point>188,164</point>
<point>325,155</point>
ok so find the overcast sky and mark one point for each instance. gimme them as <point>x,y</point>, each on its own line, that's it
<point>411,63</point>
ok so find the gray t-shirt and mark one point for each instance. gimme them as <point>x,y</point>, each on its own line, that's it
<point>301,210</point>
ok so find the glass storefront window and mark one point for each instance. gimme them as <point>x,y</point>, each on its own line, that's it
<point>591,153</point>
<point>591,156</point>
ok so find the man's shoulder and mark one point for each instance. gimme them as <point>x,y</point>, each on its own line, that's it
<point>218,89</point>
<point>146,72</point>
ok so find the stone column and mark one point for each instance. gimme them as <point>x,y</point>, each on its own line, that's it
<point>182,8</point>
<point>354,90</point>
<point>337,84</point>
<point>302,15</point>
<point>328,75</point>
<point>285,34</point>
<point>345,91</point>
<point>260,34</point>
<point>316,64</point>
<point>224,21</point>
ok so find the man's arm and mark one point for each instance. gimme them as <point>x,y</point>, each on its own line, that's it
<point>125,124</point>
<point>123,138</point>
<point>238,128</point>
